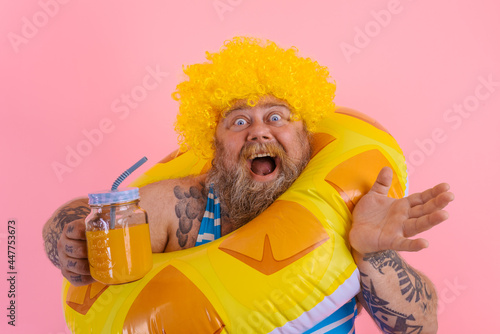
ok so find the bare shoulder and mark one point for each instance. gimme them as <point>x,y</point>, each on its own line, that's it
<point>175,209</point>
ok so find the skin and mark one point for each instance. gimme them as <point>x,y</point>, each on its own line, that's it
<point>269,121</point>
<point>382,226</point>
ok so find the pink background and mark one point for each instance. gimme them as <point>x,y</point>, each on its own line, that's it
<point>64,73</point>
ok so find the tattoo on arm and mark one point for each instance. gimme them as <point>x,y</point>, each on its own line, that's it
<point>53,232</point>
<point>388,320</point>
<point>410,282</point>
<point>77,278</point>
<point>189,210</point>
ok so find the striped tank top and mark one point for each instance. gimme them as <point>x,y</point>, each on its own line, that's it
<point>339,322</point>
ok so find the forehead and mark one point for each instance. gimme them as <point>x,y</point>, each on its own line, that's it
<point>264,102</point>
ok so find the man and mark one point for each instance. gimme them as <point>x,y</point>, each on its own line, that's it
<point>251,108</point>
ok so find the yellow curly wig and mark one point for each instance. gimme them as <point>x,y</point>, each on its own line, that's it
<point>248,68</point>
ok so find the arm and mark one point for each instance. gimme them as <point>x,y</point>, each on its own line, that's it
<point>64,232</point>
<point>65,243</point>
<point>398,297</point>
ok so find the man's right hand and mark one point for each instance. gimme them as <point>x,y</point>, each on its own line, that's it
<point>72,249</point>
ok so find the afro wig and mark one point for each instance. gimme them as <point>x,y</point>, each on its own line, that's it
<point>248,69</point>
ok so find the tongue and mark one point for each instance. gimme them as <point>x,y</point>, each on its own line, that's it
<point>263,166</point>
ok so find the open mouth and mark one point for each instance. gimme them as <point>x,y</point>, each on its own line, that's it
<point>263,163</point>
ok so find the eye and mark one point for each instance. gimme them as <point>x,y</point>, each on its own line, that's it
<point>240,121</point>
<point>275,117</point>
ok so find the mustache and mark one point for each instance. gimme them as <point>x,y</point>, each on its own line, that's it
<point>275,149</point>
<point>242,198</point>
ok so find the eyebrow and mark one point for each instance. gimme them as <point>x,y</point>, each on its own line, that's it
<point>265,105</point>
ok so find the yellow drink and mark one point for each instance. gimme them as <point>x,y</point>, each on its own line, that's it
<point>121,255</point>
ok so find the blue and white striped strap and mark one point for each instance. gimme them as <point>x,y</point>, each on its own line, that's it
<point>339,322</point>
<point>210,228</point>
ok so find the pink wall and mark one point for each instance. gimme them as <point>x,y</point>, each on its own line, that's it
<point>410,64</point>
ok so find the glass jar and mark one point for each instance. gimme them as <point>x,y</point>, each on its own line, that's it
<point>118,240</point>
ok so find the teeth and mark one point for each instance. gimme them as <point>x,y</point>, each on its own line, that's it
<point>261,155</point>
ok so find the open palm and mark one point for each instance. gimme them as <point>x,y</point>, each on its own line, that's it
<point>381,222</point>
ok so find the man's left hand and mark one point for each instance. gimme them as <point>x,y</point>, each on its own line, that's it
<point>381,222</point>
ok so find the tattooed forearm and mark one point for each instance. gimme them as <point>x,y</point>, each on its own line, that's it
<point>410,282</point>
<point>53,229</point>
<point>189,210</point>
<point>399,298</point>
<point>388,320</point>
<point>76,278</point>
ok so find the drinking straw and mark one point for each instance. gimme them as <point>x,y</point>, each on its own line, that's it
<point>119,180</point>
<point>126,173</point>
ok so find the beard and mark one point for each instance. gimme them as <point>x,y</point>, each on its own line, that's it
<point>243,198</point>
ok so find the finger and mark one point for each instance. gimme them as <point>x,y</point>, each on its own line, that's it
<point>76,265</point>
<point>437,203</point>
<point>418,225</point>
<point>77,279</point>
<point>410,245</point>
<point>383,182</point>
<point>72,248</point>
<point>427,195</point>
<point>75,229</point>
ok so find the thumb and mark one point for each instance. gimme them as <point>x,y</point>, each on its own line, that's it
<point>383,182</point>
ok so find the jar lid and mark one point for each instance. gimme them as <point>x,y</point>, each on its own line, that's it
<point>114,196</point>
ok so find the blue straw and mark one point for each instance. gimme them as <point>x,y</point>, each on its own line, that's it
<point>128,172</point>
<point>119,180</point>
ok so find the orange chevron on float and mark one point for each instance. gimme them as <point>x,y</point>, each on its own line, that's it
<point>171,292</point>
<point>352,179</point>
<point>319,141</point>
<point>268,245</point>
<point>81,298</point>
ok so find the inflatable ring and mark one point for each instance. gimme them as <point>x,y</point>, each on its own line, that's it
<point>282,272</point>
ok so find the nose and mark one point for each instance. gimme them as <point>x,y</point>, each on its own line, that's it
<point>259,132</point>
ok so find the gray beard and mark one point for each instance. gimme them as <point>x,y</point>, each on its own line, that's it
<point>243,198</point>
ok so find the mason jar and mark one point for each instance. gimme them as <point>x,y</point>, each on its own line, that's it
<point>118,240</point>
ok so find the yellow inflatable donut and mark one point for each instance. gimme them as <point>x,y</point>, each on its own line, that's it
<point>282,272</point>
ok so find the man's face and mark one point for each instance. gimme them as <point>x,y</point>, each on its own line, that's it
<point>257,138</point>
<point>260,151</point>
